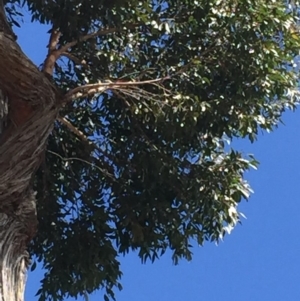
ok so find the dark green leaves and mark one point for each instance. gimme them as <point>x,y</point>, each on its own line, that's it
<point>150,168</point>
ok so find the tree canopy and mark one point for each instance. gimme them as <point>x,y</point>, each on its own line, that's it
<point>147,165</point>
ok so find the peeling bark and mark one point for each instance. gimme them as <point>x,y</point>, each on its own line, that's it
<point>33,106</point>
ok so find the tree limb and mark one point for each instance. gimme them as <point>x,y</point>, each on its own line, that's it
<point>73,129</point>
<point>100,32</point>
<point>53,54</point>
<point>82,93</point>
<point>101,87</point>
<point>74,58</point>
<point>81,135</point>
<point>87,142</point>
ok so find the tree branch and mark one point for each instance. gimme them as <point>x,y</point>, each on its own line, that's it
<point>100,32</point>
<point>88,143</point>
<point>90,89</point>
<point>74,58</point>
<point>73,129</point>
<point>53,53</point>
<point>82,93</point>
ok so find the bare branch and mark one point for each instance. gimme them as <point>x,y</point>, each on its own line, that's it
<point>82,93</point>
<point>91,89</point>
<point>54,40</point>
<point>53,54</point>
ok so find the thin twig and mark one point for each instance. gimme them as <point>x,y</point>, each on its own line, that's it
<point>81,160</point>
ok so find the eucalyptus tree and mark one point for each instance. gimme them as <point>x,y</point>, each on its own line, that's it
<point>117,141</point>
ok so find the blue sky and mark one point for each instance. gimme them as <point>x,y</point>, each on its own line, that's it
<point>258,261</point>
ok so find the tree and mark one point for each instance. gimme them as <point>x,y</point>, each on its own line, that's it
<point>120,135</point>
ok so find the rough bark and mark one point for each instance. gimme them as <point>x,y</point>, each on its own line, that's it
<point>33,108</point>
<point>16,230</point>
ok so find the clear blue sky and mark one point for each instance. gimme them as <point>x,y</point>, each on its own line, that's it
<point>259,261</point>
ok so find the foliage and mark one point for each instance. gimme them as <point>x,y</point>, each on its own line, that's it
<point>148,169</point>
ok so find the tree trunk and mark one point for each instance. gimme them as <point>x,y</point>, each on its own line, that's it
<point>16,231</point>
<point>33,106</point>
